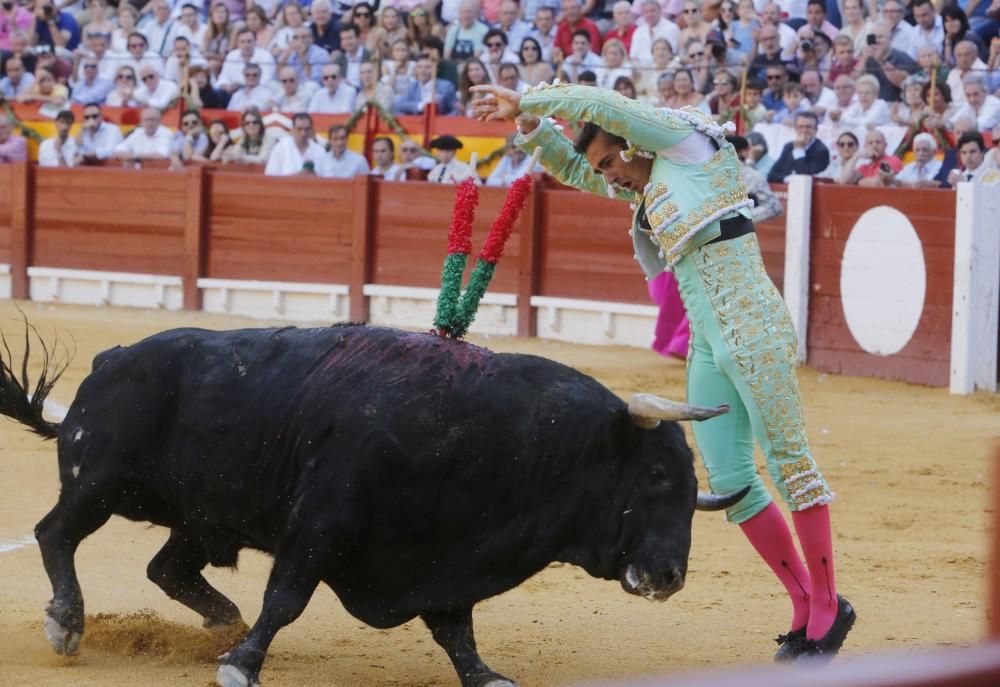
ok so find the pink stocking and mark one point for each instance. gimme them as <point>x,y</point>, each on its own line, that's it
<point>770,536</point>
<point>813,527</point>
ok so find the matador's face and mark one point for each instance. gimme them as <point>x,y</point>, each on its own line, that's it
<point>604,155</point>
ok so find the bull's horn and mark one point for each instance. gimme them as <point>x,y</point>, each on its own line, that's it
<point>647,410</point>
<point>720,501</point>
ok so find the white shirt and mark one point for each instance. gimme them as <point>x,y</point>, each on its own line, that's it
<point>877,114</point>
<point>347,166</point>
<point>48,156</point>
<point>394,173</point>
<point>449,173</point>
<point>788,38</point>
<point>107,66</point>
<point>913,172</point>
<point>160,36</point>
<point>955,77</point>
<point>934,38</point>
<point>353,76</point>
<point>987,117</point>
<point>100,143</point>
<point>341,102</point>
<point>165,93</point>
<point>904,39</point>
<point>827,99</point>
<point>232,69</point>
<point>286,159</point>
<point>172,70</point>
<point>642,40</point>
<point>573,65</point>
<point>507,173</point>
<point>150,58</point>
<point>258,96</point>
<point>139,144</point>
<point>298,102</point>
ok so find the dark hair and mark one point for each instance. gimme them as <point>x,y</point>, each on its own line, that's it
<point>918,3</point>
<point>538,47</point>
<point>823,38</point>
<point>351,27</point>
<point>971,137</point>
<point>807,114</point>
<point>463,79</point>
<point>191,112</point>
<point>492,33</point>
<point>739,143</point>
<point>819,3</point>
<point>851,135</point>
<point>589,134</point>
<point>336,127</point>
<point>586,75</point>
<point>299,117</point>
<point>942,88</point>
<point>246,30</point>
<point>507,66</point>
<point>185,38</point>
<point>584,33</point>
<point>65,116</point>
<point>225,127</point>
<point>136,34</point>
<point>624,81</point>
<point>756,85</point>
<point>392,146</point>
<point>953,11</point>
<point>253,145</point>
<point>93,104</point>
<point>432,42</point>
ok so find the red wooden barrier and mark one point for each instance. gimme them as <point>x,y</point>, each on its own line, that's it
<point>7,174</point>
<point>832,347</point>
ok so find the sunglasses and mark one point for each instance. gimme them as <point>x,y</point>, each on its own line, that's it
<point>136,45</point>
<point>362,14</point>
<point>247,122</point>
<point>252,75</point>
<point>696,54</point>
<point>149,77</point>
<point>693,10</point>
<point>774,77</point>
<point>494,44</point>
<point>330,77</point>
<point>190,122</point>
<point>529,47</point>
<point>91,116</point>
<point>292,80</point>
<point>125,76</point>
<point>846,144</point>
<point>90,66</point>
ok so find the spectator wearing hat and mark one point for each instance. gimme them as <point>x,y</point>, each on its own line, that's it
<point>343,163</point>
<point>448,170</point>
<point>60,150</point>
<point>97,138</point>
<point>297,154</point>
<point>423,87</point>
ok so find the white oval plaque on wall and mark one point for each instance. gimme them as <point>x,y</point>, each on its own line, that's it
<point>883,280</point>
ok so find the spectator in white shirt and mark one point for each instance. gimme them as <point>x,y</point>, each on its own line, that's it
<point>251,93</point>
<point>189,26</point>
<point>160,30</point>
<point>148,141</point>
<point>246,51</point>
<point>976,167</point>
<point>496,53</point>
<point>342,163</point>
<point>980,106</point>
<point>966,61</point>
<point>929,30</point>
<point>98,45</point>
<point>411,158</point>
<point>656,26</point>
<point>582,58</point>
<point>139,53</point>
<point>96,139</point>
<point>154,91</point>
<point>336,96</point>
<point>183,57</point>
<point>384,159</point>
<point>509,76</point>
<point>869,111</point>
<point>901,34</point>
<point>92,88</point>
<point>515,29</point>
<point>819,97</point>
<point>299,153</point>
<point>921,172</point>
<point>293,96</point>
<point>511,167</point>
<point>60,150</point>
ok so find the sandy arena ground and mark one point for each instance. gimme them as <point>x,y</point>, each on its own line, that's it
<point>911,466</point>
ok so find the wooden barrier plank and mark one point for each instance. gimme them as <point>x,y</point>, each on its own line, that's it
<point>411,235</point>
<point>530,251</point>
<point>6,210</point>
<point>293,229</point>
<point>366,195</point>
<point>195,226</point>
<point>22,204</point>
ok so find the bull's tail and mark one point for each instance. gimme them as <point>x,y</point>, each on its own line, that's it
<point>15,400</point>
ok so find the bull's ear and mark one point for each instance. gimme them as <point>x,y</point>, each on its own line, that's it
<point>648,410</point>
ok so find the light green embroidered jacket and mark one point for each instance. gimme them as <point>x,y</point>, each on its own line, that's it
<point>683,201</point>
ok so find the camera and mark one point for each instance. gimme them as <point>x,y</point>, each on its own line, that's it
<point>884,167</point>
<point>48,10</point>
<point>806,45</point>
<point>870,39</point>
<point>8,6</point>
<point>718,51</point>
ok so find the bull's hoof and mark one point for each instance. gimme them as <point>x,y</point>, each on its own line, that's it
<point>63,641</point>
<point>229,675</point>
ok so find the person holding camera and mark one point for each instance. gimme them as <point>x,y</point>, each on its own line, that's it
<point>871,166</point>
<point>57,31</point>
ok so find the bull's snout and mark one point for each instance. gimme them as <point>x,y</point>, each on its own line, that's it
<point>655,586</point>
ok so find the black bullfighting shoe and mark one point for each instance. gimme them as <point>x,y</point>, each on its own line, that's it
<point>790,646</point>
<point>823,649</point>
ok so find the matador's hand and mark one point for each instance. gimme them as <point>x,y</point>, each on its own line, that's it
<point>495,102</point>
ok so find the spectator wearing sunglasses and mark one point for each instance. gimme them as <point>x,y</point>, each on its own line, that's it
<point>294,97</point>
<point>154,91</point>
<point>496,52</point>
<point>18,79</point>
<point>123,94</point>
<point>92,88</point>
<point>97,138</point>
<point>190,142</point>
<point>336,96</point>
<point>140,55</point>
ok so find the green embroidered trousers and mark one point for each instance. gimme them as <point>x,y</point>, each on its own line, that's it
<point>743,348</point>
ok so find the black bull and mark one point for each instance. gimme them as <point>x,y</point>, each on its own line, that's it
<point>412,474</point>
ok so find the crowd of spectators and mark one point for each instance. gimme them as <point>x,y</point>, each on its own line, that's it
<point>840,89</point>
